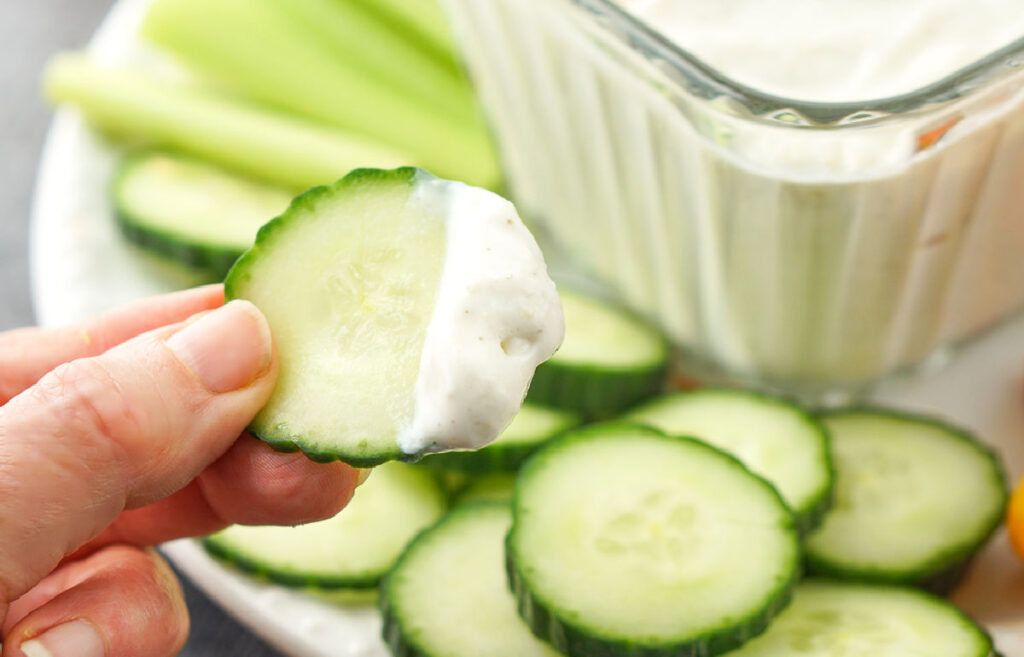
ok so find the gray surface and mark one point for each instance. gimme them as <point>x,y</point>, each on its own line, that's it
<point>30,30</point>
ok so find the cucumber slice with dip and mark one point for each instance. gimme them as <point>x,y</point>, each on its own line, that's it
<point>409,314</point>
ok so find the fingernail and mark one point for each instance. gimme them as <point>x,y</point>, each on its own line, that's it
<point>227,348</point>
<point>75,639</point>
<point>364,474</point>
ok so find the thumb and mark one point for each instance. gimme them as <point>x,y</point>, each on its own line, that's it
<point>100,435</point>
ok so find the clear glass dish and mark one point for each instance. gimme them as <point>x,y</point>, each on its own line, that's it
<point>813,247</point>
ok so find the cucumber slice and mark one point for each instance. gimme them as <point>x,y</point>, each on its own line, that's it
<point>408,312</point>
<point>448,596</point>
<point>451,481</point>
<point>191,211</point>
<point>531,428</point>
<point>774,438</point>
<point>915,499</point>
<point>835,619</point>
<point>496,487</point>
<point>610,360</point>
<point>352,550</point>
<point>347,598</point>
<point>630,542</point>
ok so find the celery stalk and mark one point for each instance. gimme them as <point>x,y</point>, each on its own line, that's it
<point>362,39</point>
<point>422,18</point>
<point>261,51</point>
<point>288,151</point>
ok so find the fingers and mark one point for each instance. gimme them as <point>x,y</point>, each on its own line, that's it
<point>28,354</point>
<point>101,435</point>
<point>254,485</point>
<point>120,602</point>
<point>250,485</point>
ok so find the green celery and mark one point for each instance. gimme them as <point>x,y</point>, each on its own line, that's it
<point>362,39</point>
<point>423,19</point>
<point>292,152</point>
<point>261,51</point>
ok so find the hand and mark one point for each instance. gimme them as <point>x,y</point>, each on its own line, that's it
<point>123,433</point>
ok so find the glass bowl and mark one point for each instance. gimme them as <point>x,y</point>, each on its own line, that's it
<point>813,247</point>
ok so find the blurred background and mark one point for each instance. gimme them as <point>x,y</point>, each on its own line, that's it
<point>31,30</point>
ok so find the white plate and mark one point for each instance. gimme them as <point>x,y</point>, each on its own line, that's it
<point>80,266</point>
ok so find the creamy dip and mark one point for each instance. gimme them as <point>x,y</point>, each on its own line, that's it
<point>836,50</point>
<point>497,317</point>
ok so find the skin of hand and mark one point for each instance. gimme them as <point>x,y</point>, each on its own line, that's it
<point>122,433</point>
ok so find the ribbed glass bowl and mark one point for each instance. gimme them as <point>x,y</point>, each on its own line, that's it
<point>814,247</point>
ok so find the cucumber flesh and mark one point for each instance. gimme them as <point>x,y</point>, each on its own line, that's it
<point>495,487</point>
<point>348,282</point>
<point>448,595</point>
<point>774,438</point>
<point>408,313</point>
<point>535,424</point>
<point>833,619</point>
<point>532,427</point>
<point>192,211</point>
<point>593,326</point>
<point>451,481</point>
<point>915,499</point>
<point>352,550</point>
<point>609,361</point>
<point>629,542</point>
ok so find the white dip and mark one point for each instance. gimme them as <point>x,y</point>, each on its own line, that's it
<point>497,317</point>
<point>836,50</point>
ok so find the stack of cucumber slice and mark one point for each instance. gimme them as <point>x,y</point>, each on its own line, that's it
<point>681,528</point>
<point>627,541</point>
<point>453,573</point>
<point>620,539</point>
<point>773,438</point>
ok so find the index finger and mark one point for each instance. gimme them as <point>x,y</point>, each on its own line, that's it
<point>28,354</point>
<point>122,430</point>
